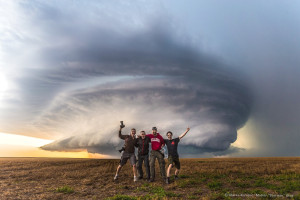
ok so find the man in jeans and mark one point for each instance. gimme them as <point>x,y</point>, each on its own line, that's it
<point>173,156</point>
<point>157,142</point>
<point>142,142</point>
<point>128,153</point>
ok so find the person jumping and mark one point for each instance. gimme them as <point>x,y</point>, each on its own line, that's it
<point>128,153</point>
<point>173,156</point>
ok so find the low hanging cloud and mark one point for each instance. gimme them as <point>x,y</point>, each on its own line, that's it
<point>94,74</point>
<point>171,103</point>
<point>171,90</point>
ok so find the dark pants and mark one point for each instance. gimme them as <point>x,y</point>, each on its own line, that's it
<point>144,158</point>
<point>161,161</point>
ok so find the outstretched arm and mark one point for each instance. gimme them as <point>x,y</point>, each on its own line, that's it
<point>120,133</point>
<point>183,134</point>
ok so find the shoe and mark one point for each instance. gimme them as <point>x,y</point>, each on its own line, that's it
<point>151,180</point>
<point>135,179</point>
<point>116,177</point>
<point>140,178</point>
<point>176,177</point>
<point>168,180</point>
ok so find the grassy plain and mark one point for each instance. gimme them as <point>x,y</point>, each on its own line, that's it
<point>209,178</point>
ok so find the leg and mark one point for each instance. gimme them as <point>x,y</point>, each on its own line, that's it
<point>123,161</point>
<point>161,162</point>
<point>147,167</point>
<point>177,165</point>
<point>169,170</point>
<point>168,174</point>
<point>118,170</point>
<point>152,165</point>
<point>139,167</point>
<point>142,160</point>
<point>176,172</point>
<point>133,163</point>
<point>134,170</point>
<point>170,165</point>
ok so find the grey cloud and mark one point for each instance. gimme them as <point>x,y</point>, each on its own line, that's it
<point>152,77</point>
<point>148,101</point>
<point>72,144</point>
<point>192,151</point>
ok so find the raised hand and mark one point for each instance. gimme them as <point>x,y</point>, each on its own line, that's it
<point>122,125</point>
<point>183,134</point>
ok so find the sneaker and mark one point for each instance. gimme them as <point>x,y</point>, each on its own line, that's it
<point>168,180</point>
<point>135,179</point>
<point>116,177</point>
<point>176,177</point>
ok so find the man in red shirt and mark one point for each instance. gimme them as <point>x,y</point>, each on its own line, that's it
<point>157,142</point>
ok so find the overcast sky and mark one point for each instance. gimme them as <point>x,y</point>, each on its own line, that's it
<point>71,70</point>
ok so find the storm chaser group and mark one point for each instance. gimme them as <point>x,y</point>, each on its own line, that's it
<point>157,143</point>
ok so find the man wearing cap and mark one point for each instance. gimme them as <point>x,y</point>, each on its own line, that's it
<point>173,156</point>
<point>128,153</point>
<point>142,142</point>
<point>157,142</point>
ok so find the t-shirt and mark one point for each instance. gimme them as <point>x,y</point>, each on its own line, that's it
<point>172,146</point>
<point>156,141</point>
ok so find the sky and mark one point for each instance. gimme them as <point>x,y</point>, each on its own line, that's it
<point>72,70</point>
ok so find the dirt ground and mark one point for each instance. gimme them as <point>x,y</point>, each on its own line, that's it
<point>211,178</point>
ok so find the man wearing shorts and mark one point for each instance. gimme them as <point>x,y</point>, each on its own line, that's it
<point>173,156</point>
<point>128,153</point>
<point>157,142</point>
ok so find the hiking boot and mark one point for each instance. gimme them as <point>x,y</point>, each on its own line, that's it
<point>116,177</point>
<point>176,177</point>
<point>168,180</point>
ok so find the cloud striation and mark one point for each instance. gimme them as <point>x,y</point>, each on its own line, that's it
<point>88,74</point>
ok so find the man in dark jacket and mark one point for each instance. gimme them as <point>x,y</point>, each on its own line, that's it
<point>128,153</point>
<point>143,154</point>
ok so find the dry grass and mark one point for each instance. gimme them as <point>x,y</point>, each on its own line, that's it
<point>43,178</point>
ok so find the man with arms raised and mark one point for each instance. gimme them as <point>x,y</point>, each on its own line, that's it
<point>173,156</point>
<point>157,142</point>
<point>128,153</point>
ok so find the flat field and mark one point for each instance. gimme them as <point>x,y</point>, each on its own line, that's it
<point>211,178</point>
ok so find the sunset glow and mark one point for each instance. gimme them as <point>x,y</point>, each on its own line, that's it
<point>12,145</point>
<point>12,139</point>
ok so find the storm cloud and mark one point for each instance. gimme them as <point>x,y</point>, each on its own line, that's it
<point>86,74</point>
